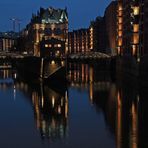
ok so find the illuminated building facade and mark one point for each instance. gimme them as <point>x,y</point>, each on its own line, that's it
<point>111,26</point>
<point>78,41</point>
<point>7,41</point>
<point>132,28</point>
<point>98,35</point>
<point>119,28</point>
<point>48,24</point>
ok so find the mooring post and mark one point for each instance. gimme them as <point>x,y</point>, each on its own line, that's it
<point>42,67</point>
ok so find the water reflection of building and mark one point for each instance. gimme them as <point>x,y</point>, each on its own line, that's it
<point>50,109</point>
<point>123,104</point>
<point>51,112</point>
<point>125,113</point>
<point>87,73</point>
<point>5,73</point>
<point>50,105</point>
<point>92,77</point>
<point>6,78</point>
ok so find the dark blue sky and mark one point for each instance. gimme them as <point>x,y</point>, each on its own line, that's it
<point>80,11</point>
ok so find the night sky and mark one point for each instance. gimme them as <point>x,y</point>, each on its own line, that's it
<point>80,11</point>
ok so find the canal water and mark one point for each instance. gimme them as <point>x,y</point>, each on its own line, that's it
<point>96,109</point>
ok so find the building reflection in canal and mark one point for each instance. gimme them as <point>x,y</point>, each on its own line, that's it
<point>123,104</point>
<point>51,112</point>
<point>50,106</point>
<point>89,77</point>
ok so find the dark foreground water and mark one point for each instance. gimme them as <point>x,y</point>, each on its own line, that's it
<point>94,110</point>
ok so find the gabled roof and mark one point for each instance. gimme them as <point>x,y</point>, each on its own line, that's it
<point>50,15</point>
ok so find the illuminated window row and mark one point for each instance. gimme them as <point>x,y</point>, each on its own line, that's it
<point>55,45</point>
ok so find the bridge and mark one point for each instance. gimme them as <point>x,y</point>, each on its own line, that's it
<point>89,56</point>
<point>12,55</point>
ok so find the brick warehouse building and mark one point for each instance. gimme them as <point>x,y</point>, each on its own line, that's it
<point>132,28</point>
<point>47,24</point>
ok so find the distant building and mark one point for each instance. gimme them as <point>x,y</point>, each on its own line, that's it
<point>78,41</point>
<point>8,41</point>
<point>98,35</point>
<point>48,24</point>
<point>111,26</point>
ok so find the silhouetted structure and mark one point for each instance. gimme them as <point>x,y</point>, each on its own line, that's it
<point>98,35</point>
<point>53,48</point>
<point>111,25</point>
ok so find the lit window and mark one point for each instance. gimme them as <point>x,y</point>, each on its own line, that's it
<point>49,45</point>
<point>120,26</point>
<point>120,8</point>
<point>120,13</point>
<point>135,27</point>
<point>120,42</point>
<point>136,10</point>
<point>120,20</point>
<point>52,62</point>
<point>120,33</point>
<point>135,38</point>
<point>46,45</point>
<point>118,50</point>
<point>57,45</point>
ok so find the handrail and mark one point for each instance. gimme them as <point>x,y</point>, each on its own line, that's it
<point>52,72</point>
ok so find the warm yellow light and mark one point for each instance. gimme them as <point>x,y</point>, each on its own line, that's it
<point>53,101</point>
<point>120,13</point>
<point>52,62</point>
<point>134,49</point>
<point>57,45</point>
<point>120,33</point>
<point>120,7</point>
<point>46,45</point>
<point>135,38</point>
<point>120,26</point>
<point>91,29</point>
<point>120,42</point>
<point>136,10</point>
<point>120,20</point>
<point>62,63</point>
<point>118,50</point>
<point>136,27</point>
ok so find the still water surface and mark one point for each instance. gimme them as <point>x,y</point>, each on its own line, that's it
<point>93,110</point>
